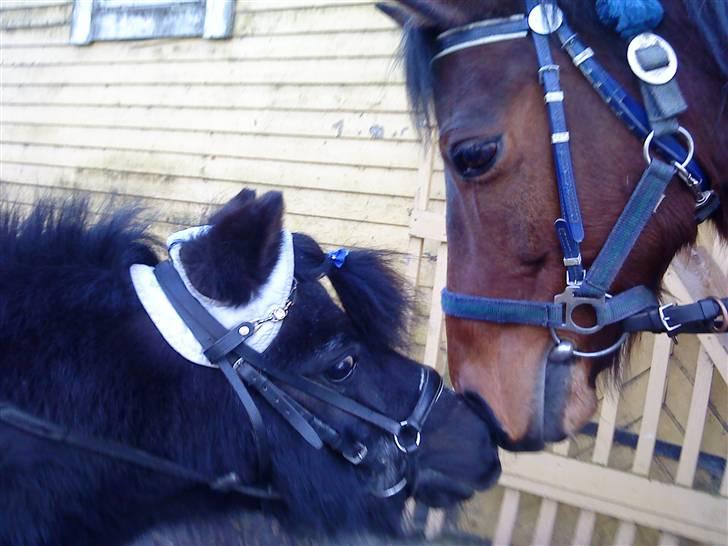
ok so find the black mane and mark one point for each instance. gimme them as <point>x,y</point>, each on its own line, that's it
<point>92,259</point>
<point>418,46</point>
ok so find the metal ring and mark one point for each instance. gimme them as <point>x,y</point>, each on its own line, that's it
<point>720,324</point>
<point>682,131</point>
<point>595,354</point>
<point>411,446</point>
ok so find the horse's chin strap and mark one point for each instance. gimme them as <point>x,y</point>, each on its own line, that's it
<point>654,62</point>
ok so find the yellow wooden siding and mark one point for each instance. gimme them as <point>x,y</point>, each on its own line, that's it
<point>305,98</point>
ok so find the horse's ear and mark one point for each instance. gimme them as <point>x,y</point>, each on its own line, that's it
<point>235,204</point>
<point>237,255</point>
<point>422,13</point>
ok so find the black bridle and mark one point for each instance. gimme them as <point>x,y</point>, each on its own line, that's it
<point>245,368</point>
<point>654,62</point>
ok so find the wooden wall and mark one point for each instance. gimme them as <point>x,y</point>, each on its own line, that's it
<point>304,98</point>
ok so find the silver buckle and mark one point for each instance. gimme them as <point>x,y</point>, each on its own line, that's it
<point>664,319</point>
<point>656,76</point>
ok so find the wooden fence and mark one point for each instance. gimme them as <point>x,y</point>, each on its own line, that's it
<point>586,491</point>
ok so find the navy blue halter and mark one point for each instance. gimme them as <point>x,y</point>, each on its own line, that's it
<point>656,125</point>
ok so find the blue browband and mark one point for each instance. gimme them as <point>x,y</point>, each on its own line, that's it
<point>654,62</point>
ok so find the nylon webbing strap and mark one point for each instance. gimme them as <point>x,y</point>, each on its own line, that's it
<point>622,104</point>
<point>631,222</point>
<point>549,76</point>
<point>547,314</point>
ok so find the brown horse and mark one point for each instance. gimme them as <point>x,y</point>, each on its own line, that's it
<point>502,198</point>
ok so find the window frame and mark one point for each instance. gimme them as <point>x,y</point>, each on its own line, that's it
<point>112,20</point>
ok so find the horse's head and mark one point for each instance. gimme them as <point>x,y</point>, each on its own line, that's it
<point>502,198</point>
<point>351,351</point>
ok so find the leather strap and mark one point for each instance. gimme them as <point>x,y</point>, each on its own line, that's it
<point>694,318</point>
<point>205,328</point>
<point>47,430</point>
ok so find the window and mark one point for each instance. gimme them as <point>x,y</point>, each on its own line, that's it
<point>140,19</point>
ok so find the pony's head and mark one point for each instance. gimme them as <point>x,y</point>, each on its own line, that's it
<point>352,349</point>
<point>502,198</point>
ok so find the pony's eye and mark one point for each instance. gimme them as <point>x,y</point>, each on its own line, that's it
<point>342,370</point>
<point>473,157</point>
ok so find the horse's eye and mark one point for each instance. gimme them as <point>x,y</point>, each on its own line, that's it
<point>473,157</point>
<point>342,370</point>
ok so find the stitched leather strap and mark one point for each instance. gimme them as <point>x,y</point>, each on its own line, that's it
<point>41,428</point>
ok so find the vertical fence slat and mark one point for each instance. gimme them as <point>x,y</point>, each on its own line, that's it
<point>549,508</point>
<point>434,323</point>
<point>602,446</point>
<point>422,198</point>
<point>693,429</point>
<point>661,347</point>
<point>506,518</point>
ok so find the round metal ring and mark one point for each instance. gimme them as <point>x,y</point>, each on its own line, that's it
<point>595,354</point>
<point>407,445</point>
<point>688,139</point>
<point>720,324</point>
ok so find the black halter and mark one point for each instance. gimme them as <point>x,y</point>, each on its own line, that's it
<point>242,366</point>
<point>654,62</point>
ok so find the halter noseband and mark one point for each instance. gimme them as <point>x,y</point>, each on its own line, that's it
<point>654,62</point>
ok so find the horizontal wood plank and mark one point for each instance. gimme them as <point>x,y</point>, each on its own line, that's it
<point>332,151</point>
<point>622,495</point>
<point>325,230</point>
<point>370,98</point>
<point>39,37</point>
<point>300,201</point>
<point>264,71</point>
<point>371,180</point>
<point>31,15</point>
<point>338,45</point>
<point>362,125</point>
<point>331,18</point>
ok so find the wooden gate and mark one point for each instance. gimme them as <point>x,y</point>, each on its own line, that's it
<point>597,490</point>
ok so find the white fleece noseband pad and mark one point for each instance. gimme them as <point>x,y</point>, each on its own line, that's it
<point>273,294</point>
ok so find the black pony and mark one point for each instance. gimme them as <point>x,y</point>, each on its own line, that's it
<point>78,349</point>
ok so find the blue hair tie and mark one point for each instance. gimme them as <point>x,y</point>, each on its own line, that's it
<point>338,257</point>
<point>630,17</point>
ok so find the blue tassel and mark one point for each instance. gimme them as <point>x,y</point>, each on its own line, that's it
<point>338,257</point>
<point>630,17</point>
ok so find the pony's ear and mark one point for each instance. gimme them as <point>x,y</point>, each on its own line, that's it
<point>237,255</point>
<point>235,204</point>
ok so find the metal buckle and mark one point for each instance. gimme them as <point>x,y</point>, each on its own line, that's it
<point>664,319</point>
<point>656,76</point>
<point>359,456</point>
<point>570,301</point>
